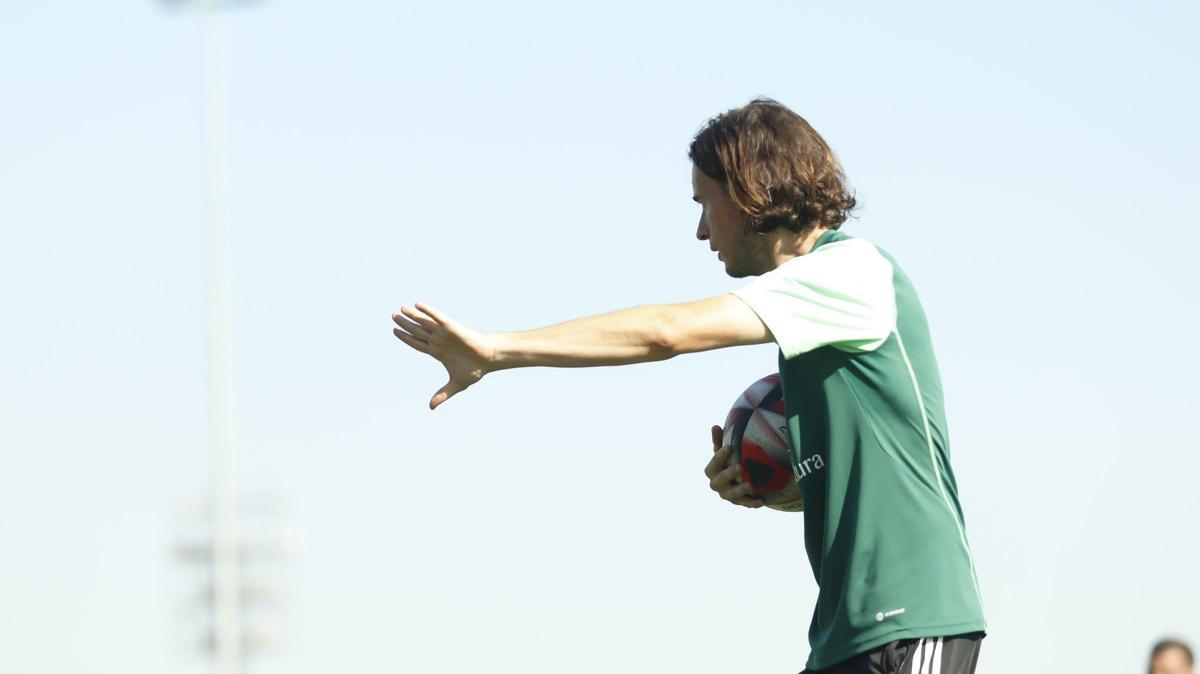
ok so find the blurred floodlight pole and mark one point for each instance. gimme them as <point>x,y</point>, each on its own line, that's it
<point>228,639</point>
<point>227,630</point>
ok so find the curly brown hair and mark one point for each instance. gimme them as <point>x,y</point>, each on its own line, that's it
<point>775,167</point>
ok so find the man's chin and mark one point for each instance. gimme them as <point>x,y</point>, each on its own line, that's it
<point>739,272</point>
<point>733,272</point>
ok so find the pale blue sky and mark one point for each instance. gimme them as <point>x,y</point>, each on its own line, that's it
<point>517,165</point>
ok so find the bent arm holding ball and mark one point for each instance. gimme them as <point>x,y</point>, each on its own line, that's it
<point>637,335</point>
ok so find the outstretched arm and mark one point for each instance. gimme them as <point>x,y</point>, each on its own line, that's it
<point>636,335</point>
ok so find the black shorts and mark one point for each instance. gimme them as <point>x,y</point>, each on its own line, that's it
<point>926,655</point>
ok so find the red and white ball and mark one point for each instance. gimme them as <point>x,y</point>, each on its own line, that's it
<point>756,429</point>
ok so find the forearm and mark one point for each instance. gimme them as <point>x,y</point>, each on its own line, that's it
<point>622,337</point>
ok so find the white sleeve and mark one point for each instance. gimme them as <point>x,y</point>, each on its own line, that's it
<point>841,294</point>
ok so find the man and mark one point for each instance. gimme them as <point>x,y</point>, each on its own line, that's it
<point>1170,656</point>
<point>884,531</point>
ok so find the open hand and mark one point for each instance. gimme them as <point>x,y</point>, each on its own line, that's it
<point>464,353</point>
<point>725,477</point>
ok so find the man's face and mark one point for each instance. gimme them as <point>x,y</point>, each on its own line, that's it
<point>723,226</point>
<point>1170,661</point>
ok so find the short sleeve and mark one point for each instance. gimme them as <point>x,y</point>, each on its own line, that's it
<point>840,294</point>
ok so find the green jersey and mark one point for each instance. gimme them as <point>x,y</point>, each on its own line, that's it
<point>883,528</point>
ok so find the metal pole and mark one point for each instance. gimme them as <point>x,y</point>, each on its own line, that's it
<point>227,631</point>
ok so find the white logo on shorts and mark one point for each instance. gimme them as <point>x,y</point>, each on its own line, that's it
<point>888,614</point>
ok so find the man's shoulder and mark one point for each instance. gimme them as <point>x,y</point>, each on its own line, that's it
<point>849,249</point>
<point>836,239</point>
<point>836,250</point>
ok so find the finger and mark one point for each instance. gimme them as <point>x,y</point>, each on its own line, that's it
<point>418,344</point>
<point>732,474</point>
<point>443,394</point>
<point>413,328</point>
<point>408,335</point>
<point>749,502</point>
<point>718,461</point>
<point>411,317</point>
<point>725,479</point>
<point>723,476</point>
<point>433,313</point>
<point>716,437</point>
<point>425,321</point>
<point>734,493</point>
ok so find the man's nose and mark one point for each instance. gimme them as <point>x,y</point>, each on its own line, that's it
<point>702,231</point>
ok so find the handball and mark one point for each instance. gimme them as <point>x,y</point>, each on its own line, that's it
<point>756,430</point>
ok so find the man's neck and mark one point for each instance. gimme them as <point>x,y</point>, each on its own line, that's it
<point>791,245</point>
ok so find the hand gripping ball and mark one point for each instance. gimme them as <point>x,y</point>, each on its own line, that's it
<point>756,429</point>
